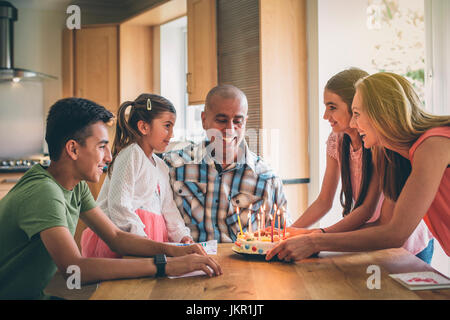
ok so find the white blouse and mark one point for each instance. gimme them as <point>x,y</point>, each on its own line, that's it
<point>133,185</point>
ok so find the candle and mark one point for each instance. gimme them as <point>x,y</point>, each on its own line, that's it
<point>271,223</point>
<point>261,214</point>
<point>284,225</point>
<point>258,216</point>
<point>279,223</point>
<point>263,217</point>
<point>239,221</point>
<point>250,220</point>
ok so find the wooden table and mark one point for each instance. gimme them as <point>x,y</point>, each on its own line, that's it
<point>334,276</point>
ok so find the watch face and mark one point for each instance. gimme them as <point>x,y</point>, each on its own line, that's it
<point>160,259</point>
<point>160,262</point>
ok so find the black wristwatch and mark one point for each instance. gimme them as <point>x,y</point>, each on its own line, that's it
<point>160,263</point>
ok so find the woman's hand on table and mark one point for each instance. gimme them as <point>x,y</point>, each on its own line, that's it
<point>177,266</point>
<point>292,249</point>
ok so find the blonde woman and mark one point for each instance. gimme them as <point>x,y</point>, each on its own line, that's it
<point>412,155</point>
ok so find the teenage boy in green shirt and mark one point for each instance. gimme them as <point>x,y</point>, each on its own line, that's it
<point>38,217</point>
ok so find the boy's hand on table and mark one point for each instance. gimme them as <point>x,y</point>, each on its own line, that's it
<point>177,251</point>
<point>177,266</point>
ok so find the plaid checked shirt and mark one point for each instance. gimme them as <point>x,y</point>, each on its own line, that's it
<point>207,196</point>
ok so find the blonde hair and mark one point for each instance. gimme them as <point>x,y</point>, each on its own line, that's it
<point>394,110</point>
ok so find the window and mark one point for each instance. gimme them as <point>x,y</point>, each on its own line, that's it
<point>173,80</point>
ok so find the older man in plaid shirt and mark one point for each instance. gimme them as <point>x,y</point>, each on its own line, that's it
<point>214,180</point>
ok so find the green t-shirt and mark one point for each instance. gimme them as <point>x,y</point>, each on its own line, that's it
<point>36,203</point>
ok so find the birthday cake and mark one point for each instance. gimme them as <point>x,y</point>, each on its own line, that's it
<point>250,243</point>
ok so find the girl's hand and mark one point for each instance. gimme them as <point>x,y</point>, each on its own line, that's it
<point>292,249</point>
<point>177,266</point>
<point>187,239</point>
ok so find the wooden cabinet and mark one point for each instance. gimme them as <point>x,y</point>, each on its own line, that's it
<point>202,49</point>
<point>96,60</point>
<point>108,64</point>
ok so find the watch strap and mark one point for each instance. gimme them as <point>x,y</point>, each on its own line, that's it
<point>160,261</point>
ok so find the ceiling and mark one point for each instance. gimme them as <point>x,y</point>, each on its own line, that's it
<point>41,4</point>
<point>113,10</point>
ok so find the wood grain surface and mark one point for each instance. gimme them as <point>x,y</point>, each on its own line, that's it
<point>335,276</point>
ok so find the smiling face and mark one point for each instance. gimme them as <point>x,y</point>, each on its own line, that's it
<point>336,112</point>
<point>362,123</point>
<point>93,154</point>
<point>156,135</point>
<point>224,121</point>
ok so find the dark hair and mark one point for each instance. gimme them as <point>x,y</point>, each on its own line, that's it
<point>71,118</point>
<point>145,108</point>
<point>346,196</point>
<point>394,170</point>
<point>343,84</point>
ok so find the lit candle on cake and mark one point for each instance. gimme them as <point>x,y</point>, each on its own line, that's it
<point>239,221</point>
<point>284,224</point>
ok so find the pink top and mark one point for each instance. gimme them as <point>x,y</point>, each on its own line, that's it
<point>419,239</point>
<point>437,217</point>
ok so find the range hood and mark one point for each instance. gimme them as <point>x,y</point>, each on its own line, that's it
<point>8,15</point>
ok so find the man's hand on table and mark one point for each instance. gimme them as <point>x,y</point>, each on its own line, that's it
<point>177,266</point>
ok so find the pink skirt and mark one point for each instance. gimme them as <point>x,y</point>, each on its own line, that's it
<point>94,247</point>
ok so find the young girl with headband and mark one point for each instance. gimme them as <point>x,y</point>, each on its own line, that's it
<point>136,194</point>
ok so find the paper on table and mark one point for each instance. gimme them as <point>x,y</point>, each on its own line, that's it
<point>210,248</point>
<point>422,280</point>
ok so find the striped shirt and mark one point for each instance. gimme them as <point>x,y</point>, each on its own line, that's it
<point>208,196</point>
